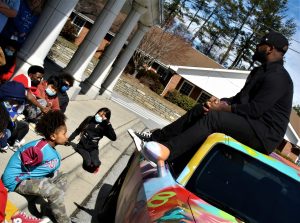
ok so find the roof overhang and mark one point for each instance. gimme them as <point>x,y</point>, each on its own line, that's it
<point>291,135</point>
<point>218,82</point>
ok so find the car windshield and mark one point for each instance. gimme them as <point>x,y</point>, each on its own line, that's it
<point>245,187</point>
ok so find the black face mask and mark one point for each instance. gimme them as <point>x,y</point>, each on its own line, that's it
<point>260,56</point>
<point>35,83</point>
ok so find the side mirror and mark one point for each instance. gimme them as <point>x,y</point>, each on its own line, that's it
<point>158,153</point>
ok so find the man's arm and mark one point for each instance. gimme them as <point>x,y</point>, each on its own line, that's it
<point>30,97</point>
<point>272,89</point>
<point>9,12</point>
<point>217,105</point>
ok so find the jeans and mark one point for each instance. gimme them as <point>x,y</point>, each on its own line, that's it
<point>190,131</point>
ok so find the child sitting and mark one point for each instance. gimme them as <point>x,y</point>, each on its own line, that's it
<point>92,129</point>
<point>32,170</point>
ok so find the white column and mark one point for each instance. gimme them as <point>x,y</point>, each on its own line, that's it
<point>45,32</point>
<point>92,84</point>
<point>121,63</point>
<point>89,46</point>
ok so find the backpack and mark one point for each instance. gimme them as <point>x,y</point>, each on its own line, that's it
<point>33,155</point>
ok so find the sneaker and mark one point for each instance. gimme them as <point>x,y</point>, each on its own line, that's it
<point>4,148</point>
<point>144,135</point>
<point>140,146</point>
<point>21,217</point>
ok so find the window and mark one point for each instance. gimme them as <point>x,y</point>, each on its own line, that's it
<point>186,88</point>
<point>245,187</point>
<point>203,97</point>
<point>78,22</point>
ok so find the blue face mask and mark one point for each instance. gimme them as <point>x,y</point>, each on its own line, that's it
<point>64,88</point>
<point>9,52</point>
<point>50,92</point>
<point>98,118</point>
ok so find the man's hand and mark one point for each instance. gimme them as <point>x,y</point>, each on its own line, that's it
<point>45,109</point>
<point>207,105</point>
<point>221,106</point>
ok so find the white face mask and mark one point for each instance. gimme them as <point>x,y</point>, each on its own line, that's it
<point>98,118</point>
<point>50,92</point>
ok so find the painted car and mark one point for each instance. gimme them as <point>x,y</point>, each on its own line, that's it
<point>224,181</point>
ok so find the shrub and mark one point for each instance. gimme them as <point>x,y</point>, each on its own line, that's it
<point>69,31</point>
<point>150,79</point>
<point>181,100</point>
<point>157,87</point>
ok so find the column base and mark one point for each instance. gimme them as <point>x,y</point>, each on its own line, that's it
<point>92,93</point>
<point>73,92</point>
<point>105,93</point>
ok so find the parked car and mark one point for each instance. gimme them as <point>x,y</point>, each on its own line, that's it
<point>224,181</point>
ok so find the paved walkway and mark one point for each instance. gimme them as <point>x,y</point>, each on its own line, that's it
<point>81,183</point>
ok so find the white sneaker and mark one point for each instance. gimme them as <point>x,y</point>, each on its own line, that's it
<point>4,148</point>
<point>144,135</point>
<point>140,145</point>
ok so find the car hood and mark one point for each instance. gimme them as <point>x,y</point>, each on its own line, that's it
<point>173,203</point>
<point>204,212</point>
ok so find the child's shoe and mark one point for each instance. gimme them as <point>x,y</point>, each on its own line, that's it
<point>4,148</point>
<point>21,217</point>
<point>96,170</point>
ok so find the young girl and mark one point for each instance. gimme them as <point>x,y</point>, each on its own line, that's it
<point>32,170</point>
<point>92,129</point>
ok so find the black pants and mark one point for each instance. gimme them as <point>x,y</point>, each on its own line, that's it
<point>19,132</point>
<point>190,131</point>
<point>90,158</point>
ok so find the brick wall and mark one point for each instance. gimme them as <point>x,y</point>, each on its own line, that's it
<point>174,81</point>
<point>157,104</point>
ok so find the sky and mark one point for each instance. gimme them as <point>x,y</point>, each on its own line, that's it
<point>292,58</point>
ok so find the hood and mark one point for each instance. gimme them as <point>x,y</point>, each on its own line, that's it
<point>12,90</point>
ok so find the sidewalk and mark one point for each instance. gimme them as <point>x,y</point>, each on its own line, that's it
<point>82,183</point>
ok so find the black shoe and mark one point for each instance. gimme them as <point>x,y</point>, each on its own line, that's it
<point>144,135</point>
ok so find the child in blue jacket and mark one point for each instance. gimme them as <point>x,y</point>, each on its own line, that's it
<point>32,170</point>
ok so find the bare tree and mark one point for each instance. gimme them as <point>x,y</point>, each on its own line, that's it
<point>159,45</point>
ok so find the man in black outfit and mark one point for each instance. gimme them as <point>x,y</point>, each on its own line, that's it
<point>257,116</point>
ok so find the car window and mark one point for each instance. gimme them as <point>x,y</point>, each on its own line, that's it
<point>245,187</point>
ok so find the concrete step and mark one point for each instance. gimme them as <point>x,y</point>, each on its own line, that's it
<point>82,183</point>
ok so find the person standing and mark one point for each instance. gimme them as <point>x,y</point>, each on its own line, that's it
<point>257,116</point>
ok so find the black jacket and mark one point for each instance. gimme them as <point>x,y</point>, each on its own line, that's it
<point>63,99</point>
<point>266,102</point>
<point>92,131</point>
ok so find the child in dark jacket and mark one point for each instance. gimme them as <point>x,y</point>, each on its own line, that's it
<point>91,130</point>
